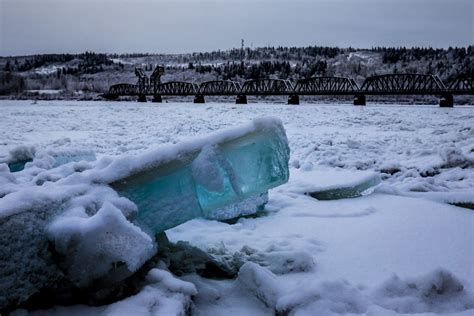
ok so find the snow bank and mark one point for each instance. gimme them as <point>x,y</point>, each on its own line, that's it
<point>438,291</point>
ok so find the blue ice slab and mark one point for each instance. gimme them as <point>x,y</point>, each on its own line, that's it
<point>220,180</point>
<point>166,196</point>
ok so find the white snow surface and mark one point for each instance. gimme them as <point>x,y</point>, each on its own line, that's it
<point>401,249</point>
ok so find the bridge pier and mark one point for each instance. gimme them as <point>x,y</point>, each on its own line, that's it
<point>241,99</point>
<point>359,99</point>
<point>157,98</point>
<point>446,101</point>
<point>294,99</point>
<point>141,98</point>
<point>199,98</point>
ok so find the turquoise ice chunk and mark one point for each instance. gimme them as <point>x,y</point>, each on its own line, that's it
<point>165,196</point>
<point>216,188</point>
<point>64,158</point>
<point>222,179</point>
<point>258,161</point>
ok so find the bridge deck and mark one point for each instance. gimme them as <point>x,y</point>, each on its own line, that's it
<point>318,93</point>
<point>382,85</point>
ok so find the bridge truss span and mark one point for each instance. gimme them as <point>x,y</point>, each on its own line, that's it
<point>382,85</point>
<point>393,84</point>
<point>463,83</point>
<point>219,87</point>
<point>267,87</point>
<point>122,89</point>
<point>326,86</point>
<point>177,88</point>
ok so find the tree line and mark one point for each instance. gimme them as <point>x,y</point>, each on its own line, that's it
<point>93,72</point>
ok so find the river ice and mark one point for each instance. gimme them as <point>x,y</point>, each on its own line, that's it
<point>401,248</point>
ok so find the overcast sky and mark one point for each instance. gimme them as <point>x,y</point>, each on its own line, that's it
<point>173,26</point>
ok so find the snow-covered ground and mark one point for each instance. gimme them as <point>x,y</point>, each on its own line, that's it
<point>400,249</point>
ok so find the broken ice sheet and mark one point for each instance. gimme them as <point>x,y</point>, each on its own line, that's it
<point>62,158</point>
<point>332,184</point>
<point>221,176</point>
<point>346,191</point>
<point>18,159</point>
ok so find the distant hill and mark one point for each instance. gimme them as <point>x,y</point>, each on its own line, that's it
<point>83,76</point>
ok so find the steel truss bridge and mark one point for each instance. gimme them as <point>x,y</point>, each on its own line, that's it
<point>390,84</point>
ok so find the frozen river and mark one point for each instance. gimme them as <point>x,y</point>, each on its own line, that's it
<point>377,254</point>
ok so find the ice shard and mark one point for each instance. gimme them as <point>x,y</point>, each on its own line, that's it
<point>224,176</point>
<point>346,191</point>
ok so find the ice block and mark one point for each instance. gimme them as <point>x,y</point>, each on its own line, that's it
<point>224,178</point>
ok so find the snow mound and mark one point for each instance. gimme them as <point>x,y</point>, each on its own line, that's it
<point>438,291</point>
<point>165,295</point>
<point>91,245</point>
<point>278,262</point>
<point>261,282</point>
<point>22,152</point>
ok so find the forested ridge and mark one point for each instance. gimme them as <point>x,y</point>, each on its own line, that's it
<point>88,73</point>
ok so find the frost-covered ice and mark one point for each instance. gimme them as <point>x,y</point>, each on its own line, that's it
<point>401,249</point>
<point>92,230</point>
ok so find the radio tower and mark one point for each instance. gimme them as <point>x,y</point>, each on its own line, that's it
<point>242,55</point>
